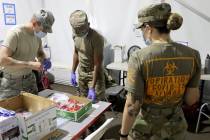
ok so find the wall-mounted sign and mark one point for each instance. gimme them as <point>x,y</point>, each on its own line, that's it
<point>10,19</point>
<point>9,13</point>
<point>9,8</point>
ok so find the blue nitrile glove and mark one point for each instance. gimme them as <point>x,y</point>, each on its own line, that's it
<point>91,94</point>
<point>73,79</point>
<point>46,64</point>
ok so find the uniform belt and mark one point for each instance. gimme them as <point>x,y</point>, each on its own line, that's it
<point>10,76</point>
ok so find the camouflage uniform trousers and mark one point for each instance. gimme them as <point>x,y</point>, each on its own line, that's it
<point>12,86</point>
<point>85,81</point>
<point>159,124</point>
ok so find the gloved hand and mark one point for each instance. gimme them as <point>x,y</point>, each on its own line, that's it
<point>91,94</point>
<point>47,64</point>
<point>73,79</point>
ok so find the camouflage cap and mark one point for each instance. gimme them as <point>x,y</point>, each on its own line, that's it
<point>156,13</point>
<point>78,18</point>
<point>46,19</point>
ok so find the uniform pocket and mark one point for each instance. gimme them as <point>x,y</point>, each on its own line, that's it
<point>5,83</point>
<point>177,124</point>
<point>10,84</point>
<point>142,125</point>
<point>141,129</point>
<point>29,84</point>
<point>8,88</point>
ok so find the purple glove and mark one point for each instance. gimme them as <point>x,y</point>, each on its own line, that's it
<point>47,64</point>
<point>73,79</point>
<point>91,94</point>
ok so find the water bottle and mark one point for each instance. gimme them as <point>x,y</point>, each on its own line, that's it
<point>47,51</point>
<point>207,65</point>
<point>118,53</point>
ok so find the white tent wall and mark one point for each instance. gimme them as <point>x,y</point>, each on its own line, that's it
<point>60,41</point>
<point>195,29</point>
<point>24,10</point>
<point>115,19</point>
<point>112,18</point>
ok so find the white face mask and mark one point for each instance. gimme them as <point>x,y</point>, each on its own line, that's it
<point>147,41</point>
<point>40,34</point>
<point>84,36</point>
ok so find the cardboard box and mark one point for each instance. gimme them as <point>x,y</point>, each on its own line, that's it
<point>9,128</point>
<point>43,118</point>
<point>76,116</point>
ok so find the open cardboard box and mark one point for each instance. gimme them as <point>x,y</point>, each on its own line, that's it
<point>43,118</point>
<point>27,101</point>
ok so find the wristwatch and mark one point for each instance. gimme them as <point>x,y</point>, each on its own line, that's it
<point>123,135</point>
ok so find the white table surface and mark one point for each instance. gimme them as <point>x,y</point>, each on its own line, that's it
<point>75,129</point>
<point>205,77</point>
<point>123,66</point>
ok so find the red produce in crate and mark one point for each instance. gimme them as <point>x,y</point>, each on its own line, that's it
<point>71,109</point>
<point>77,108</point>
<point>64,107</point>
<point>74,108</point>
<point>71,105</point>
<point>73,101</point>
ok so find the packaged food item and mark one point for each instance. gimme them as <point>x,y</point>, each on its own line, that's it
<point>9,128</point>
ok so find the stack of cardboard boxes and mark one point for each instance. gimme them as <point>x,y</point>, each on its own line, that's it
<point>35,117</point>
<point>31,117</point>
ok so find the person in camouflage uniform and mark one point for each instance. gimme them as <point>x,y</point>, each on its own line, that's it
<point>21,52</point>
<point>89,55</point>
<point>160,78</point>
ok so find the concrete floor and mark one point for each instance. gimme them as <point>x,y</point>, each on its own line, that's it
<point>204,134</point>
<point>112,133</point>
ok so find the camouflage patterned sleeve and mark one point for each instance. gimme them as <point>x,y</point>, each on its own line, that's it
<point>135,81</point>
<point>194,81</point>
<point>10,40</point>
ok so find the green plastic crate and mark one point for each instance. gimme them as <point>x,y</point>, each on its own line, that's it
<point>76,116</point>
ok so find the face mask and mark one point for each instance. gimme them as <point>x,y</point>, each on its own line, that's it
<point>81,31</point>
<point>40,34</point>
<point>84,36</point>
<point>146,41</point>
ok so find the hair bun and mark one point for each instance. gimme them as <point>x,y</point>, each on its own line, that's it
<point>174,21</point>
